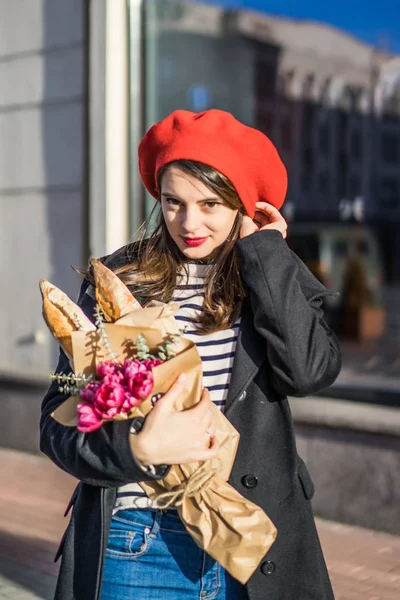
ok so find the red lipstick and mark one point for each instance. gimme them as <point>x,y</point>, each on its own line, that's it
<point>195,241</point>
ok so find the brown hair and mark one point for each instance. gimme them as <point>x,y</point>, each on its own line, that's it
<point>159,259</point>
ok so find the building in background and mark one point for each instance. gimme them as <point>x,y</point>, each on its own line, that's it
<point>330,103</point>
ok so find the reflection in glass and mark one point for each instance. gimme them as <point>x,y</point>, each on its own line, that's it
<point>338,132</point>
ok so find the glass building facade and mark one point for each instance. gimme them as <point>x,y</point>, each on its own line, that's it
<point>331,105</point>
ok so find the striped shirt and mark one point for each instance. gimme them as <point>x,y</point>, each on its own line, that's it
<point>217,351</point>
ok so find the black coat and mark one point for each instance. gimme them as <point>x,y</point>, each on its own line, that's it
<point>284,348</point>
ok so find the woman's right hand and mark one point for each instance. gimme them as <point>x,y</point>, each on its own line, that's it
<point>173,437</point>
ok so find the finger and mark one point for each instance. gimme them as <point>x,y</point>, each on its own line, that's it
<point>167,401</point>
<point>208,437</point>
<point>266,206</point>
<point>248,225</point>
<point>210,431</point>
<point>247,222</point>
<point>207,416</point>
<point>261,219</point>
<point>268,209</point>
<point>202,407</point>
<point>272,218</point>
<point>212,450</point>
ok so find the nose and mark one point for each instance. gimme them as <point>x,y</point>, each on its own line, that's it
<point>190,219</point>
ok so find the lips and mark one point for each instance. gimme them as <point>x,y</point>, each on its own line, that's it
<point>195,241</point>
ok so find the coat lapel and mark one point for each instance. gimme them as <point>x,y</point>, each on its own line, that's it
<point>249,356</point>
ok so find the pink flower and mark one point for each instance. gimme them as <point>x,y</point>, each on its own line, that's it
<point>110,372</point>
<point>130,401</point>
<point>132,367</point>
<point>88,394</point>
<point>106,368</point>
<point>151,363</point>
<point>109,400</point>
<point>121,388</point>
<point>87,419</point>
<point>141,385</point>
<point>139,377</point>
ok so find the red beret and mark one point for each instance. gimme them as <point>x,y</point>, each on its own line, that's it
<point>244,155</point>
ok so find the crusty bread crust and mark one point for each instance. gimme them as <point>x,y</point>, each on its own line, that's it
<point>62,316</point>
<point>113,297</point>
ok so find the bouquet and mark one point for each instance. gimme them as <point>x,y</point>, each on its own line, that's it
<point>121,366</point>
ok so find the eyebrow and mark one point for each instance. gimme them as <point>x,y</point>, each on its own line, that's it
<point>211,199</point>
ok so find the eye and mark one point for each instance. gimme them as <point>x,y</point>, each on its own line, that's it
<point>172,201</point>
<point>212,204</point>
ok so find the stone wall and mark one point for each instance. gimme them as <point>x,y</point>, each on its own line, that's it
<point>42,170</point>
<point>352,451</point>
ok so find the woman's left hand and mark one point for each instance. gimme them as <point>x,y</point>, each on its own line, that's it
<point>266,217</point>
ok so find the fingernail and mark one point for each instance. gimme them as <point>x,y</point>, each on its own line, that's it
<point>182,378</point>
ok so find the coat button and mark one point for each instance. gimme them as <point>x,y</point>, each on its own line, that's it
<point>249,481</point>
<point>242,395</point>
<point>268,567</point>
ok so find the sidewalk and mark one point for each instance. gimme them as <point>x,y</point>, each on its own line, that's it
<point>364,565</point>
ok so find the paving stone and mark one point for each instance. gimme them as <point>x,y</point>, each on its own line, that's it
<point>363,564</point>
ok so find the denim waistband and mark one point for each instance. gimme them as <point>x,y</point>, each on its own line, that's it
<point>152,519</point>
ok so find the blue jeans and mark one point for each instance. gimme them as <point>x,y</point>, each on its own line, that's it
<point>150,556</point>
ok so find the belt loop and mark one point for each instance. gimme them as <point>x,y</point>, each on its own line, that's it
<point>156,523</point>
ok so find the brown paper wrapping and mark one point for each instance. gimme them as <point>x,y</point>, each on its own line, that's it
<point>234,531</point>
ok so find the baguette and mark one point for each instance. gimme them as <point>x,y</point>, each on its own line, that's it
<point>113,297</point>
<point>62,316</point>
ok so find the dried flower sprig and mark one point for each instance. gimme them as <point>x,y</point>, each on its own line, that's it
<point>99,322</point>
<point>73,383</point>
<point>167,350</point>
<point>142,349</point>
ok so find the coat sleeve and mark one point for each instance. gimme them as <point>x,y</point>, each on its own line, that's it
<point>102,457</point>
<point>286,300</point>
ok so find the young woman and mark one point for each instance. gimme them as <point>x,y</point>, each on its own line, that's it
<point>254,311</point>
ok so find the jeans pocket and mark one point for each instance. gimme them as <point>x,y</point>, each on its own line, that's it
<point>132,543</point>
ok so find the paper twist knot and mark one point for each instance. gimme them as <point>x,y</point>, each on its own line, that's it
<point>198,482</point>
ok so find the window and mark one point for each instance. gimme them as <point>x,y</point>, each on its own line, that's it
<point>355,185</point>
<point>390,192</point>
<point>308,87</point>
<point>286,134</point>
<point>324,138</point>
<point>265,73</point>
<point>342,166</point>
<point>308,158</point>
<point>265,122</point>
<point>308,119</point>
<point>343,123</point>
<point>323,183</point>
<point>392,105</point>
<point>306,182</point>
<point>355,145</point>
<point>196,54</point>
<point>390,148</point>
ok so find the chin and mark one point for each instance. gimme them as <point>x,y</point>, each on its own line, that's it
<point>196,253</point>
